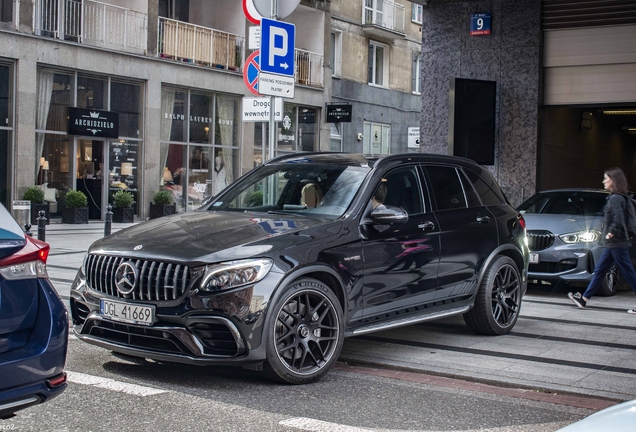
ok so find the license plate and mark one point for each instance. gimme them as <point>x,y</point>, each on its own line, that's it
<point>534,258</point>
<point>126,312</point>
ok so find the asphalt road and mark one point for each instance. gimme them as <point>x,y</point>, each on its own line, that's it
<point>558,365</point>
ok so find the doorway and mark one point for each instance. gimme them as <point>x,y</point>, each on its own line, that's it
<point>90,178</point>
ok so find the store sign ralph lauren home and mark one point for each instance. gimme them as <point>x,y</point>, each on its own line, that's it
<point>90,122</point>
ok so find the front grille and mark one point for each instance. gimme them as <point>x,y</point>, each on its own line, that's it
<point>156,281</point>
<point>539,240</point>
<point>553,267</point>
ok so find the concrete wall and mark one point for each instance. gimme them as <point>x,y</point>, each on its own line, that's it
<point>511,56</point>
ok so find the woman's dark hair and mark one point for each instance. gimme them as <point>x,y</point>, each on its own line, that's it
<point>618,179</point>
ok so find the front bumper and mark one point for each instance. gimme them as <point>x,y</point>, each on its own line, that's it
<point>221,328</point>
<point>571,263</point>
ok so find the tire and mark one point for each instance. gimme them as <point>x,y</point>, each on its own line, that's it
<point>610,283</point>
<point>498,300</point>
<point>305,334</point>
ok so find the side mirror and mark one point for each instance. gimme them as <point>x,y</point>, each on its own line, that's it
<point>385,215</point>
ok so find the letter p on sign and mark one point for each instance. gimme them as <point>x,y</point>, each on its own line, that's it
<point>278,40</point>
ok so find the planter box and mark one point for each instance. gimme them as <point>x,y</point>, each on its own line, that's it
<point>35,213</point>
<point>75,215</point>
<point>161,210</point>
<point>123,215</point>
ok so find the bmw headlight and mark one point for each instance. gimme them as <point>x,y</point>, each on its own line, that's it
<point>233,274</point>
<point>589,236</point>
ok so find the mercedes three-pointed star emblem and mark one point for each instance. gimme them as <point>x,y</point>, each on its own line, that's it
<point>126,278</point>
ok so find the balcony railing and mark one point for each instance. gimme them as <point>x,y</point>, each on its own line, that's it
<point>386,14</point>
<point>309,69</point>
<point>185,42</point>
<point>92,23</point>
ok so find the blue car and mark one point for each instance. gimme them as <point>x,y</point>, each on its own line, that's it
<point>33,323</point>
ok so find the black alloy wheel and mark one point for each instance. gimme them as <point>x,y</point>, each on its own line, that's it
<point>610,283</point>
<point>306,333</point>
<point>498,300</point>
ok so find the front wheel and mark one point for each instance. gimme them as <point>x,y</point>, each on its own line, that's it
<point>610,283</point>
<point>306,333</point>
<point>498,299</point>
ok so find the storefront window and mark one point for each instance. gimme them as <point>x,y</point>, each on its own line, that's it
<point>91,93</point>
<point>287,130</point>
<point>210,161</point>
<point>307,128</point>
<point>55,169</point>
<point>126,99</point>
<point>5,139</point>
<point>124,169</point>
<point>55,95</point>
<point>201,115</point>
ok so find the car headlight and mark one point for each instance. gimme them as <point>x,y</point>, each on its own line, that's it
<point>589,236</point>
<point>233,274</point>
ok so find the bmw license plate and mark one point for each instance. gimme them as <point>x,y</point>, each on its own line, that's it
<point>534,258</point>
<point>126,312</point>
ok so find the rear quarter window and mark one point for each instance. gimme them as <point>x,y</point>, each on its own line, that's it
<point>485,192</point>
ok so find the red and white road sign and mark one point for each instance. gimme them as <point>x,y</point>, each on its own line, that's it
<point>251,13</point>
<point>251,71</point>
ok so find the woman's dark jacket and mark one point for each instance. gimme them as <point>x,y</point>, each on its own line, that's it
<point>615,223</point>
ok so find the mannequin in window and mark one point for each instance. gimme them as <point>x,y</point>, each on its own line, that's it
<point>220,179</point>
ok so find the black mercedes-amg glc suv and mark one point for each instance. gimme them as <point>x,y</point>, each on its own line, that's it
<point>303,251</point>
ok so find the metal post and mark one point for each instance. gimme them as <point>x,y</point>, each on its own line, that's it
<point>108,220</point>
<point>27,229</point>
<point>42,225</point>
<point>272,123</point>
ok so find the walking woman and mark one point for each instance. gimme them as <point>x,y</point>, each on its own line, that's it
<point>615,241</point>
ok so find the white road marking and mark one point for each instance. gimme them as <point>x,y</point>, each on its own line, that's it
<point>311,425</point>
<point>110,384</point>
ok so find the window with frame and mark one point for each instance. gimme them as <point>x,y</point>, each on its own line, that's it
<point>447,187</point>
<point>6,130</point>
<point>376,138</point>
<point>6,10</point>
<point>417,11</point>
<point>335,137</point>
<point>378,66</point>
<point>417,65</point>
<point>336,53</point>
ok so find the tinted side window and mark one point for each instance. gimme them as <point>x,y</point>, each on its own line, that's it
<point>471,196</point>
<point>403,190</point>
<point>487,195</point>
<point>447,187</point>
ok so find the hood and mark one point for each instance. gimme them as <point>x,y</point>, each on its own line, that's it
<point>202,236</point>
<point>561,224</point>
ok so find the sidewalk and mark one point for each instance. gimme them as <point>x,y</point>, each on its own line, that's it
<point>69,243</point>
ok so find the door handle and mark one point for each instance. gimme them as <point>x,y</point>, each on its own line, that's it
<point>428,225</point>
<point>483,219</point>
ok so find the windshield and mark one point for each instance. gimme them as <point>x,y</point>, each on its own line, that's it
<point>570,203</point>
<point>306,188</point>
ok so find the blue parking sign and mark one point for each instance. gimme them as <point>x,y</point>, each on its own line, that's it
<point>278,41</point>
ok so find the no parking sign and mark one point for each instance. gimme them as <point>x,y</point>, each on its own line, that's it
<point>251,71</point>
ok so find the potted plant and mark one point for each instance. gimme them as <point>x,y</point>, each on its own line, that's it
<point>162,204</point>
<point>75,208</point>
<point>36,196</point>
<point>123,211</point>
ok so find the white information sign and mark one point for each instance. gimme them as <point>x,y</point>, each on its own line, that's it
<point>255,38</point>
<point>276,85</point>
<point>414,137</point>
<point>257,109</point>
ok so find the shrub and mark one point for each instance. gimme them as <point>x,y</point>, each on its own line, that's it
<point>75,198</point>
<point>256,199</point>
<point>162,197</point>
<point>123,199</point>
<point>34,194</point>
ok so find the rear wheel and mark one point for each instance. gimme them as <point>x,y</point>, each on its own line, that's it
<point>610,283</point>
<point>498,300</point>
<point>305,336</point>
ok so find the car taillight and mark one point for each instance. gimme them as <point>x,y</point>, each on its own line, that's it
<point>57,381</point>
<point>28,263</point>
<point>522,222</point>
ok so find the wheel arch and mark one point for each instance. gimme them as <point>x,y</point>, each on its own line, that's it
<point>511,252</point>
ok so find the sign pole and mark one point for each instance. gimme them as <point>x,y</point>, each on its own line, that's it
<point>272,123</point>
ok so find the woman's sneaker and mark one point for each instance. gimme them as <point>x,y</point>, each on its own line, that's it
<point>577,299</point>
<point>632,311</point>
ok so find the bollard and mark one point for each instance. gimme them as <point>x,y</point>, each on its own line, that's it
<point>27,229</point>
<point>108,220</point>
<point>42,225</point>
